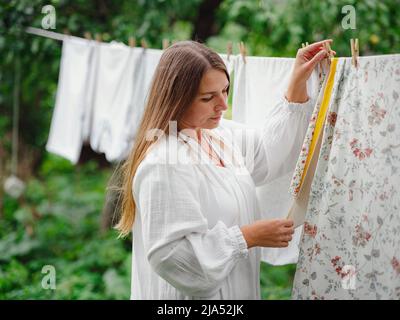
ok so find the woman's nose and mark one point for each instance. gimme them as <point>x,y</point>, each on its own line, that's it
<point>222,102</point>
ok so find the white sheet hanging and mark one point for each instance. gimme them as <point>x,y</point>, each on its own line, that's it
<point>259,84</point>
<point>143,75</point>
<point>110,94</point>
<point>65,137</point>
<point>91,90</point>
<point>229,63</point>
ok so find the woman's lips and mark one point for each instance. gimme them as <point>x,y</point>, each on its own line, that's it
<point>217,118</point>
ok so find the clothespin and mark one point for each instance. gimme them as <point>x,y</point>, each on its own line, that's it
<point>355,51</point>
<point>229,50</point>
<point>306,44</point>
<point>328,48</point>
<point>132,42</point>
<point>98,37</point>
<point>143,43</point>
<point>243,51</point>
<point>105,36</point>
<point>165,43</point>
<point>87,35</point>
<point>303,45</point>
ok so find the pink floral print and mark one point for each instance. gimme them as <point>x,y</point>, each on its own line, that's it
<point>352,223</point>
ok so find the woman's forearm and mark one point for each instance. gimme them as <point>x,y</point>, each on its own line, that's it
<point>297,93</point>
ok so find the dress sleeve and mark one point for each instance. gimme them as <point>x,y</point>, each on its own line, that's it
<point>180,246</point>
<point>276,147</point>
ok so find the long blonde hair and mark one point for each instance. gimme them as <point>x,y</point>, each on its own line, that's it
<point>174,86</point>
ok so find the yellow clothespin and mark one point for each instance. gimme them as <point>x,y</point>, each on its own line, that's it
<point>303,45</point>
<point>132,42</point>
<point>87,35</point>
<point>355,52</point>
<point>306,44</point>
<point>143,43</point>
<point>165,43</point>
<point>98,37</point>
<point>243,51</point>
<point>229,50</point>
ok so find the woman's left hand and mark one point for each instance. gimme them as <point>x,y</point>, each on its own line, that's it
<point>306,60</point>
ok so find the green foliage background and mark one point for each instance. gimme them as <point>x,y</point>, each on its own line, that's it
<point>57,221</point>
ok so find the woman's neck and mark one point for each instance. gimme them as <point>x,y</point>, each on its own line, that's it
<point>195,133</point>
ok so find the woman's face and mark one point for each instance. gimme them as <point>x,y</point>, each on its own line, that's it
<point>209,103</point>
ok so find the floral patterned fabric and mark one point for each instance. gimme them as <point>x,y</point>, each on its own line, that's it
<point>350,246</point>
<point>305,153</point>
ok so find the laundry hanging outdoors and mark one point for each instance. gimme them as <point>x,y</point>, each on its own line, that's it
<point>117,92</point>
<point>350,247</point>
<point>114,79</point>
<point>216,150</point>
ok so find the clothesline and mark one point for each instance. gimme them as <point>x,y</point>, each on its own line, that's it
<point>46,33</point>
<point>61,37</point>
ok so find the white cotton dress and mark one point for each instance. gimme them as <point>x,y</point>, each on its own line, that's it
<point>187,242</point>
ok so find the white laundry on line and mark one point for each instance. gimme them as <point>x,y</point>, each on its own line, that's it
<point>259,84</point>
<point>65,137</point>
<point>146,65</point>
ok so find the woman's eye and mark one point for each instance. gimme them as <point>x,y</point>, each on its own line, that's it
<point>206,99</point>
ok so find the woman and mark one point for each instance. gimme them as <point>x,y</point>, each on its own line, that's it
<point>197,229</point>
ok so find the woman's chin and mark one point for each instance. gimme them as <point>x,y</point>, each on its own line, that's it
<point>215,121</point>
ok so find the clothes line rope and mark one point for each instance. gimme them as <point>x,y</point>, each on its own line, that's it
<point>46,33</point>
<point>61,37</point>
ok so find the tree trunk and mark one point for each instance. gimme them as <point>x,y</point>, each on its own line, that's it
<point>205,24</point>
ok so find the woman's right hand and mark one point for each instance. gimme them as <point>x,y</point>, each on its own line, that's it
<point>275,233</point>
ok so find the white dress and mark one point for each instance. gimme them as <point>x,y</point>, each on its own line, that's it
<point>187,243</point>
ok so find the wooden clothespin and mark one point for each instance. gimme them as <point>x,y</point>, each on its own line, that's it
<point>355,51</point>
<point>229,50</point>
<point>87,35</point>
<point>165,43</point>
<point>328,48</point>
<point>98,37</point>
<point>132,42</point>
<point>143,43</point>
<point>243,50</point>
